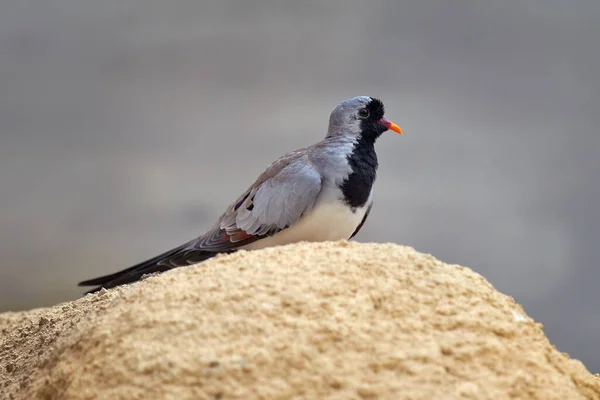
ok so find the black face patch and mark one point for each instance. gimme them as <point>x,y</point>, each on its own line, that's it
<point>370,126</point>
<point>363,159</point>
<point>376,109</point>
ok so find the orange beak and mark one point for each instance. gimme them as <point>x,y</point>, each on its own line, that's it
<point>390,125</point>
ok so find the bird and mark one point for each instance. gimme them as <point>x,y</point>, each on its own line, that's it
<point>323,192</point>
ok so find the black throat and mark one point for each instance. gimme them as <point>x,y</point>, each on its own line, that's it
<point>356,188</point>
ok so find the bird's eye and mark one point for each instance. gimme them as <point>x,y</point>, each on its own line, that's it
<point>363,113</point>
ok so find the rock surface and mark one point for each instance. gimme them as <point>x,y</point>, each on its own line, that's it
<point>329,320</point>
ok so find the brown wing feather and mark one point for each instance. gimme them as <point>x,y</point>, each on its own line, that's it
<point>226,236</point>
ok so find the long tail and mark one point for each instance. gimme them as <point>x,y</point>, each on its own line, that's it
<point>177,257</point>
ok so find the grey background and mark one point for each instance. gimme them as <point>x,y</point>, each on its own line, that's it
<point>126,127</point>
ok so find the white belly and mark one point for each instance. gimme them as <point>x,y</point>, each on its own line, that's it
<point>329,220</point>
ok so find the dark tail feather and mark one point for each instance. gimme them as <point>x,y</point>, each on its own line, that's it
<point>178,257</point>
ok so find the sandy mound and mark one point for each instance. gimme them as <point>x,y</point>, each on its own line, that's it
<point>341,321</point>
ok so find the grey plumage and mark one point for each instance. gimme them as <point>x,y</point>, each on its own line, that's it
<point>279,201</point>
<point>289,193</point>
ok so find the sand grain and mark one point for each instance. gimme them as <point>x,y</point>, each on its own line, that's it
<point>331,320</point>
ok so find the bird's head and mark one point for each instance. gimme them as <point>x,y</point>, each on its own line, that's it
<point>360,116</point>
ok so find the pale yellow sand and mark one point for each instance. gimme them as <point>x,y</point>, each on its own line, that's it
<point>337,321</point>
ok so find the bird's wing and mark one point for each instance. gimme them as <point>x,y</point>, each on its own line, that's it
<point>279,198</point>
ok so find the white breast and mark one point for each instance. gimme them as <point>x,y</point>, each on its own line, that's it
<point>329,220</point>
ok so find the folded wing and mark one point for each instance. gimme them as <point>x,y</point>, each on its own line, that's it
<point>278,198</point>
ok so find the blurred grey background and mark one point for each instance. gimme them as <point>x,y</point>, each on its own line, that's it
<point>126,128</point>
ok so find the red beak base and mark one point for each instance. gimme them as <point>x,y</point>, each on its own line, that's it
<point>390,125</point>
